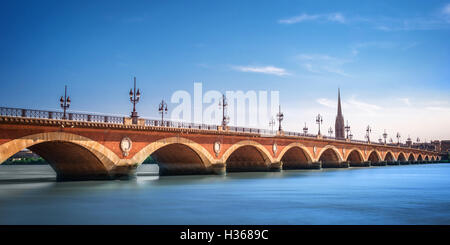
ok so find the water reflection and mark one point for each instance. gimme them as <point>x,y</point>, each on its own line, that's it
<point>410,194</point>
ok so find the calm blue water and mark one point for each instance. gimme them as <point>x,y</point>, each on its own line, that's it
<point>414,194</point>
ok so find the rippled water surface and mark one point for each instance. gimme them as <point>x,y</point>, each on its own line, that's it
<point>413,194</point>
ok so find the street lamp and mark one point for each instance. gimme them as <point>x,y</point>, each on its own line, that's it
<point>271,124</point>
<point>163,110</point>
<point>385,136</point>
<point>368,131</point>
<point>319,120</point>
<point>347,129</point>
<point>305,129</point>
<point>330,131</point>
<point>134,98</point>
<point>65,102</point>
<point>224,104</point>
<point>280,117</point>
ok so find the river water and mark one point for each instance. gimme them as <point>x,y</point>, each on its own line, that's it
<point>411,194</point>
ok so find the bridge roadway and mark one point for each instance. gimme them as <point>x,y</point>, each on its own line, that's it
<point>108,147</point>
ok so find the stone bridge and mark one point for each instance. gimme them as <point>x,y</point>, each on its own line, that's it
<point>98,148</point>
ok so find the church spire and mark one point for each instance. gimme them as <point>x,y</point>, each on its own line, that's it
<point>339,126</point>
<point>339,102</point>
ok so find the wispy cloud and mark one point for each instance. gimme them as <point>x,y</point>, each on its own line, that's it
<point>350,104</point>
<point>319,63</point>
<point>332,17</point>
<point>272,70</point>
<point>405,101</point>
<point>446,12</point>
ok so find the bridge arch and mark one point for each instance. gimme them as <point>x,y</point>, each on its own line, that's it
<point>294,155</point>
<point>389,157</point>
<point>355,156</point>
<point>176,155</point>
<point>411,157</point>
<point>330,156</point>
<point>401,157</point>
<point>247,155</point>
<point>420,158</point>
<point>71,156</point>
<point>374,156</point>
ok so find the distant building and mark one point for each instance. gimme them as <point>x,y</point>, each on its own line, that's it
<point>445,146</point>
<point>23,154</point>
<point>339,125</point>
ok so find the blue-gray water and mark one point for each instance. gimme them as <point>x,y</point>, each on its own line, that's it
<point>414,194</point>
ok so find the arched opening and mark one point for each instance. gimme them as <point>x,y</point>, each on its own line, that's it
<point>433,159</point>
<point>419,158</point>
<point>355,158</point>
<point>389,157</point>
<point>295,158</point>
<point>411,158</point>
<point>401,157</point>
<point>247,158</point>
<point>70,161</point>
<point>330,159</point>
<point>373,157</point>
<point>177,159</point>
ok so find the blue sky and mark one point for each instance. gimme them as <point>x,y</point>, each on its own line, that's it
<point>391,59</point>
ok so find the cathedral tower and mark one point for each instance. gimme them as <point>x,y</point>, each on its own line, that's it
<point>339,126</point>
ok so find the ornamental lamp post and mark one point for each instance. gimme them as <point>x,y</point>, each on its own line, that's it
<point>163,110</point>
<point>223,105</point>
<point>385,136</point>
<point>134,99</point>
<point>305,130</point>
<point>330,131</point>
<point>280,117</point>
<point>271,124</point>
<point>319,120</point>
<point>368,131</point>
<point>65,102</point>
<point>347,129</point>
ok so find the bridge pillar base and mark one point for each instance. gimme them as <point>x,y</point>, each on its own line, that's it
<point>313,165</point>
<point>393,163</point>
<point>360,164</point>
<point>218,169</point>
<point>382,163</point>
<point>404,163</point>
<point>275,167</point>
<point>118,173</point>
<point>335,165</point>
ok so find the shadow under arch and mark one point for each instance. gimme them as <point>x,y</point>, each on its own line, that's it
<point>73,157</point>
<point>411,157</point>
<point>401,157</point>
<point>248,156</point>
<point>355,156</point>
<point>295,156</point>
<point>330,157</point>
<point>177,156</point>
<point>374,157</point>
<point>389,157</point>
<point>420,158</point>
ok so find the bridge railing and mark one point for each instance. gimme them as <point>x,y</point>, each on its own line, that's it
<point>57,115</point>
<point>84,117</point>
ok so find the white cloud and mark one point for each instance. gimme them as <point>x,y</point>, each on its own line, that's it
<point>272,70</point>
<point>405,101</point>
<point>363,105</point>
<point>327,102</point>
<point>332,17</point>
<point>319,63</point>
